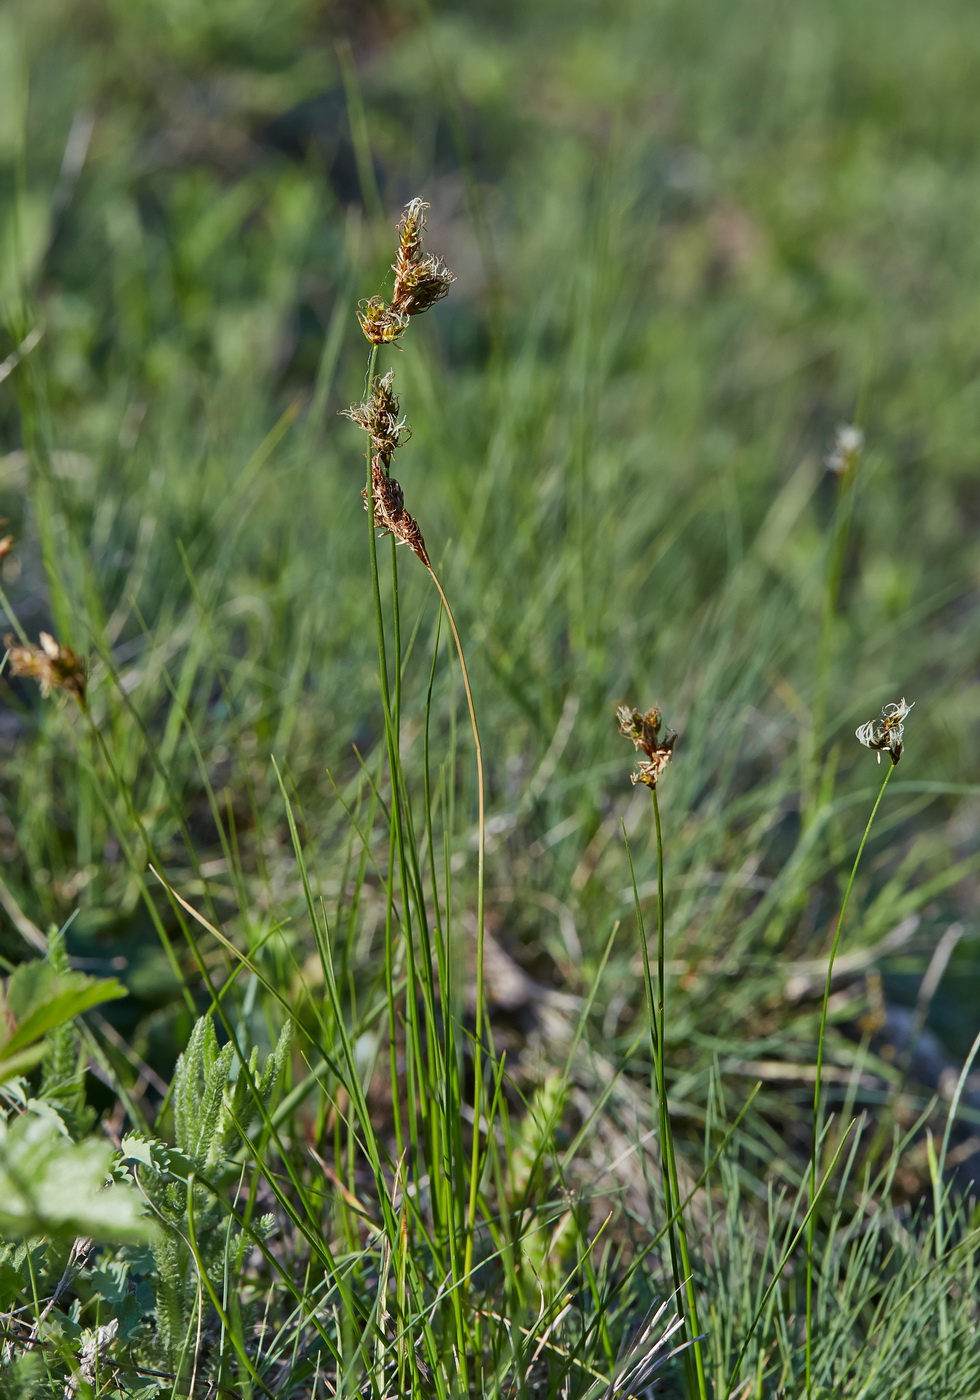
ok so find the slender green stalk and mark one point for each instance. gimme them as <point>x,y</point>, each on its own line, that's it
<point>817,1107</point>
<point>672,1192</point>
<point>391,744</point>
<point>480,1016</point>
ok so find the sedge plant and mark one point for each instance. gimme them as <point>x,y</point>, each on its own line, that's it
<point>420,281</point>
<point>885,735</point>
<point>656,744</point>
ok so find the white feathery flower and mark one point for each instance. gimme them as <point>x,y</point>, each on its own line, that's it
<point>885,735</point>
<point>847,444</point>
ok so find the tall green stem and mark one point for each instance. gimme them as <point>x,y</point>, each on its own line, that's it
<point>480,1016</point>
<point>817,1106</point>
<point>392,751</point>
<point>678,1234</point>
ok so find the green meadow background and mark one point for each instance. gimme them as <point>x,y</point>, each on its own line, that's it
<point>691,239</point>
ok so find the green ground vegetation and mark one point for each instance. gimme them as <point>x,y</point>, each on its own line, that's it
<point>522,1107</point>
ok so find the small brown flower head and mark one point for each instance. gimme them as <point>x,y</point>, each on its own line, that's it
<point>885,735</point>
<point>53,666</point>
<point>422,285</point>
<point>419,281</point>
<point>410,228</point>
<point>380,322</point>
<point>6,544</point>
<point>390,515</point>
<point>644,731</point>
<point>379,417</point>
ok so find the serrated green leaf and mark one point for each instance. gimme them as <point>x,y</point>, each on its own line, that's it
<point>168,1161</point>
<point>11,1283</point>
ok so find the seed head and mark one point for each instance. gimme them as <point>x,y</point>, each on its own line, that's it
<point>410,229</point>
<point>419,281</point>
<point>885,735</point>
<point>379,417</point>
<point>644,730</point>
<point>421,285</point>
<point>848,442</point>
<point>380,322</point>
<point>53,666</point>
<point>390,515</point>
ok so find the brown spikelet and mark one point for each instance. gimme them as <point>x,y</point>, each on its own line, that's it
<point>379,417</point>
<point>53,666</point>
<point>421,285</point>
<point>644,730</point>
<point>380,322</point>
<point>390,515</point>
<point>410,228</point>
<point>420,280</point>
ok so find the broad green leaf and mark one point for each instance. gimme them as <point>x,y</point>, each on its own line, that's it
<point>52,1186</point>
<point>41,998</point>
<point>21,1061</point>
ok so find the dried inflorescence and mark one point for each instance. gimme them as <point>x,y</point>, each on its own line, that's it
<point>379,417</point>
<point>885,735</point>
<point>390,514</point>
<point>420,281</point>
<point>53,666</point>
<point>644,730</point>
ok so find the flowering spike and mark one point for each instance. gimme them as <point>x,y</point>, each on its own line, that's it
<point>421,286</point>
<point>379,417</point>
<point>410,228</point>
<point>380,323</point>
<point>886,735</point>
<point>390,515</point>
<point>644,730</point>
<point>848,442</point>
<point>53,666</point>
<point>419,281</point>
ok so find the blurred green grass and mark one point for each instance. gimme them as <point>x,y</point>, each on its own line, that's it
<point>690,240</point>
